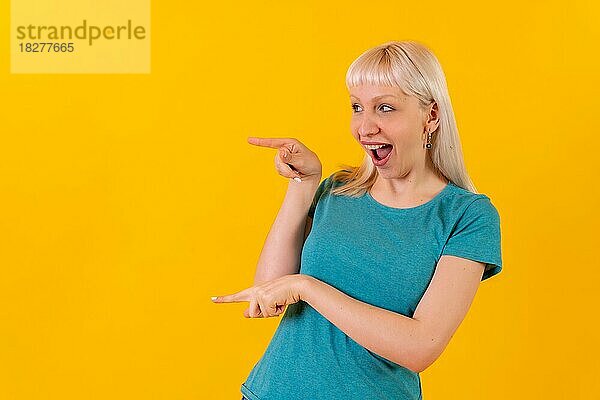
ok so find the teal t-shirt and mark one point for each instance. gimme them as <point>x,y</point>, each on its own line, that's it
<point>380,255</point>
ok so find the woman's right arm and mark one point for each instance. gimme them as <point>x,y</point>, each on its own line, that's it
<point>281,252</point>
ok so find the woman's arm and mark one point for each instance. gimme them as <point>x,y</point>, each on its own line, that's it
<point>280,254</point>
<point>414,343</point>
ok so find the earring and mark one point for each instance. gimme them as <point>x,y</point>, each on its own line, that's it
<point>428,144</point>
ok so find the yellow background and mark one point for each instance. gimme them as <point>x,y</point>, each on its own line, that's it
<point>128,200</point>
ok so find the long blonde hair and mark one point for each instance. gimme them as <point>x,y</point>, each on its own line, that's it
<point>414,69</point>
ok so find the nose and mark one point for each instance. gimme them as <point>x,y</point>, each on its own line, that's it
<point>368,126</point>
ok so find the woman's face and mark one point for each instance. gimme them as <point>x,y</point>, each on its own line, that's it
<point>385,115</point>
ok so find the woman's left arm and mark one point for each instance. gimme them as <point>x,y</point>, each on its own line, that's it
<point>416,342</point>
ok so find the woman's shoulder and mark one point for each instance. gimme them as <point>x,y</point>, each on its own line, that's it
<point>463,194</point>
<point>460,201</point>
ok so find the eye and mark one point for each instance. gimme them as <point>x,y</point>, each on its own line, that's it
<point>354,107</point>
<point>381,107</point>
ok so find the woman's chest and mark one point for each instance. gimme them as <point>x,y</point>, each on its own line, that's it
<point>379,259</point>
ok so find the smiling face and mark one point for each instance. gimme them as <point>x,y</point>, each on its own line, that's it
<point>385,115</point>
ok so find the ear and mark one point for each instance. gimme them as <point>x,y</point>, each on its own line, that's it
<point>433,117</point>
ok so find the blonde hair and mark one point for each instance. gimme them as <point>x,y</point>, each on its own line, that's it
<point>414,69</point>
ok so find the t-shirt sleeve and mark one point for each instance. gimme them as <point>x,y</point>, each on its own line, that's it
<point>320,190</point>
<point>476,236</point>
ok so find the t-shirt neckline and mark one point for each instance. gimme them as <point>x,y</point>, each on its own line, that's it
<point>435,198</point>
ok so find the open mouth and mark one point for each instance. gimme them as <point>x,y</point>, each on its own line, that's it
<point>381,152</point>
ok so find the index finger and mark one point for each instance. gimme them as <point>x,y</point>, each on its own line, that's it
<point>238,297</point>
<point>270,142</point>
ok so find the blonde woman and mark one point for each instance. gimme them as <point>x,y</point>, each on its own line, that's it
<point>378,264</point>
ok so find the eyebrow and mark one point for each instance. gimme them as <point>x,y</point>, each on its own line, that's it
<point>377,97</point>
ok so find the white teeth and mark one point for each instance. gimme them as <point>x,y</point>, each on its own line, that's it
<point>374,146</point>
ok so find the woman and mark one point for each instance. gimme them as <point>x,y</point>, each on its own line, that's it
<point>396,250</point>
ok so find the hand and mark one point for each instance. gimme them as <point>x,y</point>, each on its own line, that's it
<point>268,299</point>
<point>293,160</point>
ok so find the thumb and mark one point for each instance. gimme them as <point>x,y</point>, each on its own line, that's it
<point>288,158</point>
<point>285,154</point>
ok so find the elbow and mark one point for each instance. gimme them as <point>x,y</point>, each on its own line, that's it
<point>423,350</point>
<point>420,366</point>
<point>424,356</point>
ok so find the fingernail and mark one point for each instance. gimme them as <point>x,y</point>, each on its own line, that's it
<point>214,298</point>
<point>297,179</point>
